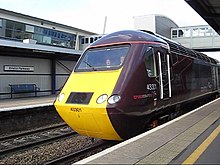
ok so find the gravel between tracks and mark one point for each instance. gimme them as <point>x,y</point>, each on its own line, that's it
<point>42,154</point>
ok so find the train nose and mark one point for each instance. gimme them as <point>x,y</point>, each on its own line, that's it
<point>83,101</point>
<point>86,113</point>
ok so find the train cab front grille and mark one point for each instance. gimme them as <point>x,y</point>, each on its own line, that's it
<point>79,98</point>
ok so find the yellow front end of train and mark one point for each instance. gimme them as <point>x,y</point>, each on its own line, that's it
<point>91,118</point>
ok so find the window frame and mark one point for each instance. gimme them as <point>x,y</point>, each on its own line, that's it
<point>152,67</point>
<point>101,68</point>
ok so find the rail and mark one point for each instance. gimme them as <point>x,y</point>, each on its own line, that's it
<point>22,141</point>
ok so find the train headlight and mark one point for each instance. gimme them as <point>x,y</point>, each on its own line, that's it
<point>101,99</point>
<point>60,97</point>
<point>114,99</point>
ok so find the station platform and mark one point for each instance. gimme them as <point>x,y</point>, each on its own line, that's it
<point>192,138</point>
<point>25,103</point>
<point>23,114</point>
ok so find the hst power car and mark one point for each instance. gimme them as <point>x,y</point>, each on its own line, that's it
<point>126,79</point>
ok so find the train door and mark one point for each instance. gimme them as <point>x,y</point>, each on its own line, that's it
<point>215,78</point>
<point>164,75</point>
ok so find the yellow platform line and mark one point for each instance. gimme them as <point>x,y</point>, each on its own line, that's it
<point>198,152</point>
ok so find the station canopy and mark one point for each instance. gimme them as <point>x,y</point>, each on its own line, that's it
<point>209,10</point>
<point>20,49</point>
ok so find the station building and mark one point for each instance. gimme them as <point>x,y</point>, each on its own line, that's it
<point>36,51</point>
<point>155,23</point>
<point>196,37</point>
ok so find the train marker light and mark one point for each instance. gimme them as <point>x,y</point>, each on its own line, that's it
<point>101,99</point>
<point>114,99</point>
<point>60,97</point>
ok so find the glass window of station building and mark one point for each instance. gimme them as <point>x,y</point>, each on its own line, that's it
<point>19,31</point>
<point>199,31</point>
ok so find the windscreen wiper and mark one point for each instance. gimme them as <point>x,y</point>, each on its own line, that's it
<point>89,65</point>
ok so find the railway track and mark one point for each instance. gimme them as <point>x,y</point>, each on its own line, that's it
<point>82,153</point>
<point>22,141</point>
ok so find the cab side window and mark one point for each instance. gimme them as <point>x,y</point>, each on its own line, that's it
<point>149,60</point>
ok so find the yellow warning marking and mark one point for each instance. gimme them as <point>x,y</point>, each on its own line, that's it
<point>198,152</point>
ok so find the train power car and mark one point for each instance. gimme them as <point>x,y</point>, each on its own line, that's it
<point>123,79</point>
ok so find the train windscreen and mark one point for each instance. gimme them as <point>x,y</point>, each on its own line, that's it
<point>105,58</point>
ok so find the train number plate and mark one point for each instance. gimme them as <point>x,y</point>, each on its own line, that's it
<point>151,87</point>
<point>74,109</point>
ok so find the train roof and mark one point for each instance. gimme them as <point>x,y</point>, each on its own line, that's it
<point>178,48</point>
<point>128,36</point>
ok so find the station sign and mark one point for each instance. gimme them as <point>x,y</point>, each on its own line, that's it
<point>18,68</point>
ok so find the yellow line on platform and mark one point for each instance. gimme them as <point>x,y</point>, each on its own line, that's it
<point>198,152</point>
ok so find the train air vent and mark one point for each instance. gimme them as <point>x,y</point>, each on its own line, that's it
<point>79,98</point>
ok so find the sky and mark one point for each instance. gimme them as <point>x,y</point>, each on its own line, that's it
<point>90,14</point>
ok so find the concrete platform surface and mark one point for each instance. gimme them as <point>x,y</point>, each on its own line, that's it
<point>25,103</point>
